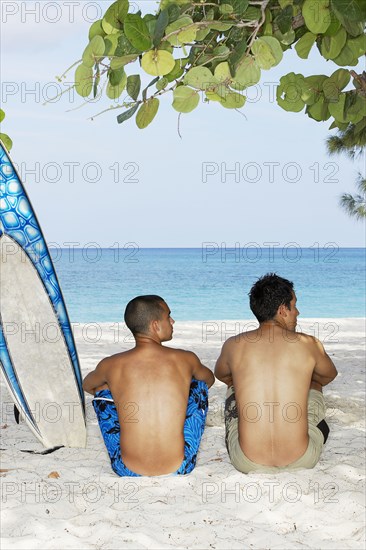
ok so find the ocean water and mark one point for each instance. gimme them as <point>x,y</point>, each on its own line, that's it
<point>210,282</point>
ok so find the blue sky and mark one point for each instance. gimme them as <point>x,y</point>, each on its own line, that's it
<point>264,177</point>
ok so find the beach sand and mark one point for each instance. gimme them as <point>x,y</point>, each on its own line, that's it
<point>71,499</point>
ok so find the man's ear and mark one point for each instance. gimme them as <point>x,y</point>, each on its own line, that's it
<point>155,326</point>
<point>282,310</point>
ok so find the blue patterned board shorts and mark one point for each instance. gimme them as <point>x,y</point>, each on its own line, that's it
<point>194,425</point>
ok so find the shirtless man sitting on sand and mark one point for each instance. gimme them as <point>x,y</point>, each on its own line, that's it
<point>150,411</point>
<point>274,412</point>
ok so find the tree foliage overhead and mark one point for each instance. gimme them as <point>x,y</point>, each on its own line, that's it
<point>355,205</point>
<point>352,144</point>
<point>216,49</point>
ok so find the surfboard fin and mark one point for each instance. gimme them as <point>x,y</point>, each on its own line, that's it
<point>16,414</point>
<point>45,452</point>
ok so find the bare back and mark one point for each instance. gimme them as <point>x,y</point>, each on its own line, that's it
<point>271,369</point>
<point>150,387</point>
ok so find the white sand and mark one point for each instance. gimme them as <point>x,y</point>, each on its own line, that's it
<point>88,506</point>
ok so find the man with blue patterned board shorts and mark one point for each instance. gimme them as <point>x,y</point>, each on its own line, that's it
<point>275,410</point>
<point>151,401</point>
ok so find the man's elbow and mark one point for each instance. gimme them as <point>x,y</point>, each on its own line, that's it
<point>335,374</point>
<point>211,379</point>
<point>87,387</point>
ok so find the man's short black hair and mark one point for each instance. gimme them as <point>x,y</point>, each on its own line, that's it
<point>268,294</point>
<point>141,311</point>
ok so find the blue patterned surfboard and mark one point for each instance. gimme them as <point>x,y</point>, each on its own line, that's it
<point>37,351</point>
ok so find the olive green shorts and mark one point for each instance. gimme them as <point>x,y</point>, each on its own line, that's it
<point>316,413</point>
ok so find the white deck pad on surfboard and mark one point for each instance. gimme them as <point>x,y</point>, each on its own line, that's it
<point>37,350</point>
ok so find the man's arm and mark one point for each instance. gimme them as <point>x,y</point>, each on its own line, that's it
<point>324,371</point>
<point>96,378</point>
<point>222,368</point>
<point>200,372</point>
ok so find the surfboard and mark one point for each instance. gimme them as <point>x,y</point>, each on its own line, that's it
<point>37,350</point>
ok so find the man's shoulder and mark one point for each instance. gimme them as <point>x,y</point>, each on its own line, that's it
<point>306,338</point>
<point>117,358</point>
<point>180,352</point>
<point>241,338</point>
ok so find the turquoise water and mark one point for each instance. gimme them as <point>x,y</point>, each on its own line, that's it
<point>208,283</point>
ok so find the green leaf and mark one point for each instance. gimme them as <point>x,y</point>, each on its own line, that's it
<point>351,9</point>
<point>147,112</point>
<point>124,46</point>
<point>202,33</point>
<point>319,111</point>
<point>336,108</point>
<point>304,45</point>
<point>334,26</point>
<point>239,7</point>
<point>331,46</point>
<point>358,45</point>
<point>289,92</point>
<point>96,29</point>
<point>111,44</point>
<point>117,76</point>
<point>263,54</point>
<point>162,83</point>
<point>267,52</point>
<point>220,26</point>
<point>312,88</point>
<point>161,24</point>
<point>200,78</point>
<point>177,70</point>
<point>233,100</point>
<point>83,80</point>
<point>150,21</point>
<point>354,28</point>
<point>275,47</point>
<point>118,62</point>
<point>133,85</point>
<point>347,57</point>
<point>333,85</point>
<point>360,126</point>
<point>137,32</point>
<point>157,62</point>
<point>187,31</point>
<point>2,115</point>
<point>221,52</point>
<point>151,83</point>
<point>96,83</point>
<point>252,14</point>
<point>237,53</point>
<point>173,11</point>
<point>213,96</point>
<point>114,92</point>
<point>165,45</point>
<point>226,9</point>
<point>248,73</point>
<point>6,141</point>
<point>222,72</point>
<point>127,114</point>
<point>284,19</point>
<point>113,18</point>
<point>317,15</point>
<point>94,51</point>
<point>185,99</point>
<point>287,39</point>
<point>356,111</point>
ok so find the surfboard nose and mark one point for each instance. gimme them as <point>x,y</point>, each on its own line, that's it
<point>37,350</point>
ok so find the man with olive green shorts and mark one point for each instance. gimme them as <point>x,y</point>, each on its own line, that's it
<point>275,409</point>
